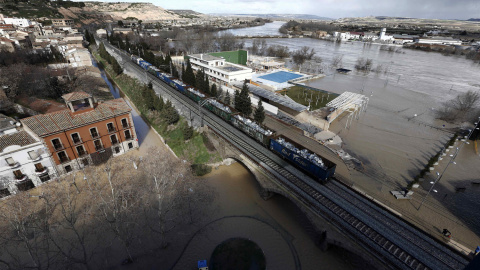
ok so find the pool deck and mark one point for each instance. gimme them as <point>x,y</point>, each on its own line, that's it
<point>257,77</point>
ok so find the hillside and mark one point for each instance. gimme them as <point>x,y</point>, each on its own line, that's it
<point>85,12</point>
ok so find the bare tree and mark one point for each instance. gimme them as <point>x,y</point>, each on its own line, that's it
<point>337,61</point>
<point>460,107</point>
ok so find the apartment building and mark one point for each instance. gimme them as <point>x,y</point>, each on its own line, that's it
<point>86,133</point>
<point>24,161</point>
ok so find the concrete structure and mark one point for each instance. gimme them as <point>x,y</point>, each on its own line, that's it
<point>17,21</point>
<point>78,57</point>
<point>87,133</point>
<point>218,70</point>
<point>7,44</point>
<point>24,161</point>
<point>384,37</point>
<point>102,33</point>
<point>62,22</point>
<point>440,41</point>
<point>238,57</point>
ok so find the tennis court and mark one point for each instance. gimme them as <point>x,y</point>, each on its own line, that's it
<point>280,76</point>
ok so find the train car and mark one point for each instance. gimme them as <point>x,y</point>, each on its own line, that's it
<point>136,59</point>
<point>251,128</point>
<point>318,167</point>
<point>153,70</point>
<point>224,111</point>
<point>179,85</point>
<point>194,94</point>
<point>164,77</point>
<point>144,64</point>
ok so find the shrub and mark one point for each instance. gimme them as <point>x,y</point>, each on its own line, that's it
<point>187,133</point>
<point>201,169</point>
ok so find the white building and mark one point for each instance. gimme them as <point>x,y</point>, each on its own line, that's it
<point>384,37</point>
<point>440,41</point>
<point>17,21</point>
<point>218,70</point>
<point>24,161</point>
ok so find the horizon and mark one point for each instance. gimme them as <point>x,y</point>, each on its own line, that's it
<point>426,9</point>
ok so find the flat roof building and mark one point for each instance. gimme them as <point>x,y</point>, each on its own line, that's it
<point>218,70</point>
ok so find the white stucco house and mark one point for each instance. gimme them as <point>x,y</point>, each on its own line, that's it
<point>24,161</point>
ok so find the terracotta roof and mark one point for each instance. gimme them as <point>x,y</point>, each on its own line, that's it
<point>21,138</point>
<point>6,39</point>
<point>76,96</point>
<point>54,122</point>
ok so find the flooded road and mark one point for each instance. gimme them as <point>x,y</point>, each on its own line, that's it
<point>276,225</point>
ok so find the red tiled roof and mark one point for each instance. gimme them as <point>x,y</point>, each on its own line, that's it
<point>76,96</point>
<point>20,138</point>
<point>6,40</point>
<point>54,122</point>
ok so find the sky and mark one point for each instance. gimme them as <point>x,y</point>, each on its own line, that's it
<point>434,9</point>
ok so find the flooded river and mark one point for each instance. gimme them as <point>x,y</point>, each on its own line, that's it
<point>398,132</point>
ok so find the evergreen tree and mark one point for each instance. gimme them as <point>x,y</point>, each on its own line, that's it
<point>227,98</point>
<point>158,103</point>
<point>236,101</point>
<point>259,115</point>
<point>189,76</point>
<point>147,97</point>
<point>116,66</point>
<point>220,91</point>
<point>206,84</point>
<point>244,103</point>
<point>168,61</point>
<point>199,79</point>
<point>213,90</point>
<point>159,61</point>
<point>169,114</point>
<point>183,73</point>
<point>103,52</point>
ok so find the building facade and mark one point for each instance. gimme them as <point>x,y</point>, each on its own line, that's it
<point>218,70</point>
<point>86,133</point>
<point>62,22</point>
<point>24,161</point>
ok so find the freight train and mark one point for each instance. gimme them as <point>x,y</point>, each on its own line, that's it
<point>321,169</point>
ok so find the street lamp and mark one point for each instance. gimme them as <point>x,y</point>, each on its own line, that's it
<point>431,188</point>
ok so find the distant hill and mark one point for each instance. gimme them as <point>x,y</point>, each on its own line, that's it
<point>474,20</point>
<point>281,16</point>
<point>186,13</point>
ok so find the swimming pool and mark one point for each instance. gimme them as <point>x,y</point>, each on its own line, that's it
<point>280,76</point>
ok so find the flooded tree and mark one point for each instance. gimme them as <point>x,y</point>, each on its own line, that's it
<point>337,61</point>
<point>459,108</point>
<point>364,64</point>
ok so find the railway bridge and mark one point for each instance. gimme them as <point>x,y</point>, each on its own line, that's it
<point>346,214</point>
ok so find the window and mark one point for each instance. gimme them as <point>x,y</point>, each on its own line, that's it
<point>130,145</point>
<point>57,144</point>
<point>117,150</point>
<point>85,162</point>
<point>18,174</point>
<point>39,167</point>
<point>110,128</point>
<point>68,168</point>
<point>98,145</point>
<point>124,123</point>
<point>76,138</point>
<point>10,161</point>
<point>44,178</point>
<point>94,133</point>
<point>127,135</point>
<point>113,139</point>
<point>33,155</point>
<point>62,156</point>
<point>81,150</point>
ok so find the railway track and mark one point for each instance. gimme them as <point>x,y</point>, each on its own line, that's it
<point>376,228</point>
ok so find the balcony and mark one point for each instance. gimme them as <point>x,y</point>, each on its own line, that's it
<point>125,125</point>
<point>64,160</point>
<point>41,171</point>
<point>14,165</point>
<point>82,154</point>
<point>129,137</point>
<point>77,141</point>
<point>37,158</point>
<point>58,147</point>
<point>115,142</point>
<point>95,135</point>
<point>21,178</point>
<point>112,130</point>
<point>98,147</point>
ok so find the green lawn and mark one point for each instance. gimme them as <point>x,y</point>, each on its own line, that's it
<point>193,150</point>
<point>302,95</point>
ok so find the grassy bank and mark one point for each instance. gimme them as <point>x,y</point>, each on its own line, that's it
<point>302,95</point>
<point>193,149</point>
